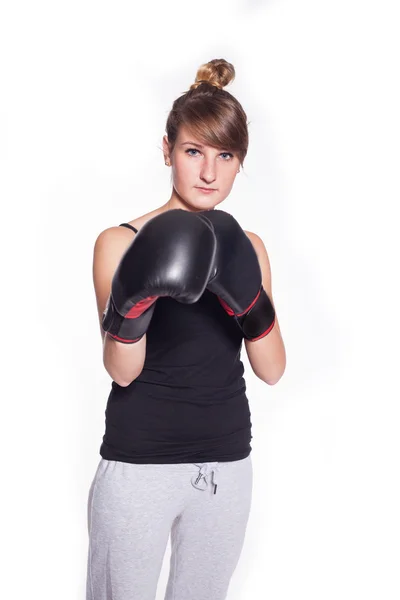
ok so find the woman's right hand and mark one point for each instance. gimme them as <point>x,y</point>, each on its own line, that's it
<point>171,255</point>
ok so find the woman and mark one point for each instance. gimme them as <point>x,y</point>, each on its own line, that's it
<point>178,289</point>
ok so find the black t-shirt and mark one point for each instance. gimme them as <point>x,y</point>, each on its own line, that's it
<point>189,403</point>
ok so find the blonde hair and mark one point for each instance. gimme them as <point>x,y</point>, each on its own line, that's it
<point>211,113</point>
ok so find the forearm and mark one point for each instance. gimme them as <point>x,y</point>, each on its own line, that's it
<point>267,356</point>
<point>123,362</point>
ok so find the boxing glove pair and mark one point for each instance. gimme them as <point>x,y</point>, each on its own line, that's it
<point>179,254</point>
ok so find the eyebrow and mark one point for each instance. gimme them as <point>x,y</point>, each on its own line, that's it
<point>192,144</point>
<point>198,145</point>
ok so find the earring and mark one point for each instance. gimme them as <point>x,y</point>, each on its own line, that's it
<point>167,163</point>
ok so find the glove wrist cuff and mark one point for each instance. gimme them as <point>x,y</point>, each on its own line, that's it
<point>125,330</point>
<point>259,320</point>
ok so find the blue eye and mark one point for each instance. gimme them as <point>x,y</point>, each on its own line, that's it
<point>195,150</point>
<point>191,150</point>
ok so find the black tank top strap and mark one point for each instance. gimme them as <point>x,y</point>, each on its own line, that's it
<point>130,226</point>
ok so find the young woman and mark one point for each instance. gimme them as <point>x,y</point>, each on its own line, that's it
<point>178,290</point>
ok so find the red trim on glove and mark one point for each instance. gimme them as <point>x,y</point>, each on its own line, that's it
<point>226,307</point>
<point>263,334</point>
<point>120,339</point>
<point>231,312</point>
<point>251,305</point>
<point>140,307</point>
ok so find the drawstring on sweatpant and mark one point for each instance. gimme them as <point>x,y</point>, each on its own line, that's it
<point>205,469</point>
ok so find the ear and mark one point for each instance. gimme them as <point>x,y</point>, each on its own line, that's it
<point>165,147</point>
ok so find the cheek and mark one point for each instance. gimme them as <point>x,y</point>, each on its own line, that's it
<point>185,172</point>
<point>228,179</point>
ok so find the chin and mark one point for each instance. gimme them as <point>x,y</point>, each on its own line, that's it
<point>205,203</point>
<point>197,204</point>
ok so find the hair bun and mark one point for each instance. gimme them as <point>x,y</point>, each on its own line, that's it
<point>217,72</point>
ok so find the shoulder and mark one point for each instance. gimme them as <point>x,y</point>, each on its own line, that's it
<point>109,247</point>
<point>111,243</point>
<point>258,244</point>
<point>118,234</point>
<point>140,221</point>
<point>113,235</point>
<point>263,259</point>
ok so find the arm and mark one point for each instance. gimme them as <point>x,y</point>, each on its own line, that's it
<point>123,362</point>
<point>267,355</point>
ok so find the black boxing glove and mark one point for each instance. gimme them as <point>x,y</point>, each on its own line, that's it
<point>171,255</point>
<point>237,279</point>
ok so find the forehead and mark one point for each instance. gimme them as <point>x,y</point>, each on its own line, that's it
<point>185,135</point>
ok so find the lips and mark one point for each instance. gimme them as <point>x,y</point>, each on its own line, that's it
<point>205,189</point>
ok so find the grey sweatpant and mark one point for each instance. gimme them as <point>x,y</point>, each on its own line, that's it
<point>133,508</point>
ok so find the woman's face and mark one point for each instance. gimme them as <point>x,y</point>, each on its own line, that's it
<point>196,166</point>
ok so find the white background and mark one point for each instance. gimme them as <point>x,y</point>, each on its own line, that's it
<point>86,90</point>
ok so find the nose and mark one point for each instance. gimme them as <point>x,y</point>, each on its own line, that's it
<point>208,171</point>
